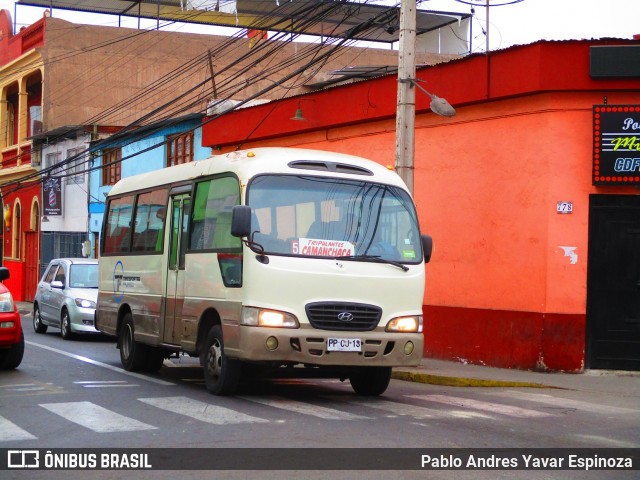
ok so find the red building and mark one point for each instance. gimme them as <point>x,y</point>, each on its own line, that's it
<point>20,117</point>
<point>534,209</point>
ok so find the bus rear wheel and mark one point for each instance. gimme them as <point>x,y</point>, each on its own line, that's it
<point>221,373</point>
<point>370,381</point>
<point>132,353</point>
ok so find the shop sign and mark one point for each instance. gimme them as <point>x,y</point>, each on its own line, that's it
<point>616,145</point>
<point>52,196</point>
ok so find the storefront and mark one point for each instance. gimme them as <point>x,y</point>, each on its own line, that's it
<point>536,259</point>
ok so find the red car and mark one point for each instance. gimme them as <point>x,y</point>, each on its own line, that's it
<point>11,335</point>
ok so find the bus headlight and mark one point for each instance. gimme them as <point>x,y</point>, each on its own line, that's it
<point>410,324</point>
<point>260,317</point>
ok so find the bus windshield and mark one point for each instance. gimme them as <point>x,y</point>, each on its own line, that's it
<point>304,215</point>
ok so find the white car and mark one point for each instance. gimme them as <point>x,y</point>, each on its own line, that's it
<point>66,297</point>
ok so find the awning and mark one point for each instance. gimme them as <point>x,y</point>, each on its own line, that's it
<point>330,18</point>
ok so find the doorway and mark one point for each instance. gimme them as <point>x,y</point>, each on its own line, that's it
<point>613,283</point>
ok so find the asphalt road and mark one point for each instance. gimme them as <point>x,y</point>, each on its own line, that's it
<point>74,394</point>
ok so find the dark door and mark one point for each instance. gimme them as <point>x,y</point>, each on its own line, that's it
<point>613,283</point>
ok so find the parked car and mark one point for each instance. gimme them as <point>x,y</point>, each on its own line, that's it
<point>11,334</point>
<point>66,297</point>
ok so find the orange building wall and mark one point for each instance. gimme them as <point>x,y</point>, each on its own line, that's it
<point>500,288</point>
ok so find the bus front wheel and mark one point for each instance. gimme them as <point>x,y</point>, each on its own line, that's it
<point>221,373</point>
<point>370,381</point>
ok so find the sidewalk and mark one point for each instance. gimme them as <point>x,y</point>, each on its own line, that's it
<point>460,374</point>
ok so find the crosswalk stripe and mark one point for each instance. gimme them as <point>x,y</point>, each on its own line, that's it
<point>202,411</point>
<point>95,417</point>
<point>105,384</point>
<point>9,431</point>
<point>483,406</point>
<point>568,403</point>
<point>415,411</point>
<point>396,408</point>
<point>305,408</point>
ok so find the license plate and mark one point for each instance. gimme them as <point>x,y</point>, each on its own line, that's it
<point>344,345</point>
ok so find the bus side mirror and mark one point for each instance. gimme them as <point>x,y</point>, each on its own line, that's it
<point>241,221</point>
<point>427,247</point>
<point>4,273</point>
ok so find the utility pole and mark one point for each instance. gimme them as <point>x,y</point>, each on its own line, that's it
<point>406,106</point>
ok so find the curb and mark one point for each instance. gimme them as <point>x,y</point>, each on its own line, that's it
<point>460,381</point>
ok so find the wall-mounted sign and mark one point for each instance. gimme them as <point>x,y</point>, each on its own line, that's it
<point>564,207</point>
<point>52,197</point>
<point>616,145</point>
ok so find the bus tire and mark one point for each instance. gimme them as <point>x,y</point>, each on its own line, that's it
<point>132,353</point>
<point>370,381</point>
<point>154,359</point>
<point>221,373</point>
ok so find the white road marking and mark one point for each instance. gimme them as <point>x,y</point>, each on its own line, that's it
<point>568,403</point>
<point>96,418</point>
<point>483,406</point>
<point>305,408</point>
<point>10,432</point>
<point>100,364</point>
<point>396,408</point>
<point>106,384</point>
<point>205,412</point>
<point>415,411</point>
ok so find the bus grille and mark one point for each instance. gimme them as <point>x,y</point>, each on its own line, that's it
<point>343,316</point>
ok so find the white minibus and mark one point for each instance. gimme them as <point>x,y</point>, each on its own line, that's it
<point>265,262</point>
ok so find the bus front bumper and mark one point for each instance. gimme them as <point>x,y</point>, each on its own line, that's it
<point>314,347</point>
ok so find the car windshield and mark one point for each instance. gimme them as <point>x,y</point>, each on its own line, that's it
<point>84,276</point>
<point>303,215</point>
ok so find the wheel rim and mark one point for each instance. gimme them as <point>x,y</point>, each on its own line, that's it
<point>36,319</point>
<point>127,342</point>
<point>66,327</point>
<point>214,359</point>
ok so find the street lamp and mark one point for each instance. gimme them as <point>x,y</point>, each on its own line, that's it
<point>406,107</point>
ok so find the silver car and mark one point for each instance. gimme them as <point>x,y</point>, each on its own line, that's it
<point>66,297</point>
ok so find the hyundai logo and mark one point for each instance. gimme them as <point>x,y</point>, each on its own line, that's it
<point>345,316</point>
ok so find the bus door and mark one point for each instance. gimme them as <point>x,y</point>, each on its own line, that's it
<point>180,211</point>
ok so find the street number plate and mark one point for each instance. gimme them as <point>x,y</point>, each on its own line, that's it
<point>344,345</point>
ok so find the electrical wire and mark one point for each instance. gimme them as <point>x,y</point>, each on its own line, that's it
<point>72,161</point>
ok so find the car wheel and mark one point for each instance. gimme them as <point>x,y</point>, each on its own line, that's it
<point>12,357</point>
<point>38,326</point>
<point>221,373</point>
<point>132,353</point>
<point>370,381</point>
<point>65,325</point>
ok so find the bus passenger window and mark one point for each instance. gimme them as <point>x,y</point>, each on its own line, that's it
<point>118,232</point>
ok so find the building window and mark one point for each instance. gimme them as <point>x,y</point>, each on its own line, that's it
<point>11,126</point>
<point>52,160</point>
<point>17,231</point>
<point>111,166</point>
<point>180,149</point>
<point>75,167</point>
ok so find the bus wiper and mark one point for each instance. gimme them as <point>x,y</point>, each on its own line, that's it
<point>373,258</point>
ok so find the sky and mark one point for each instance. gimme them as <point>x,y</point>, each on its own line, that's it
<point>511,22</point>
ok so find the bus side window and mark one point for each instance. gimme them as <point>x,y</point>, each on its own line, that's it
<point>118,231</point>
<point>211,227</point>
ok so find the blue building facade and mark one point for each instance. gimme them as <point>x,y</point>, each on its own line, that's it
<point>145,149</point>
